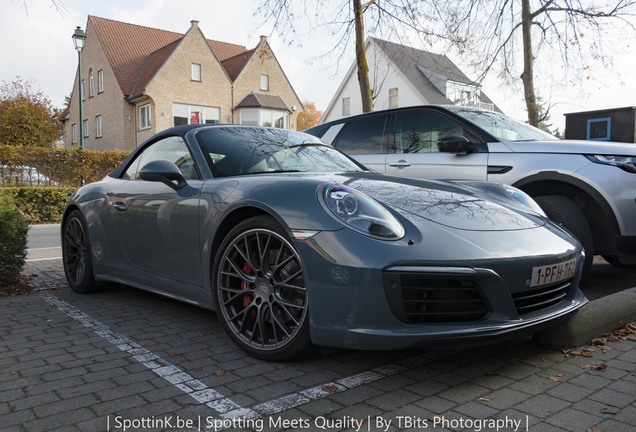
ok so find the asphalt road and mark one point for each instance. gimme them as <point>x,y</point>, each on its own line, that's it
<point>44,242</point>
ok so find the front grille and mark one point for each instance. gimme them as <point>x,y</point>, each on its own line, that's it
<point>541,298</point>
<point>418,299</point>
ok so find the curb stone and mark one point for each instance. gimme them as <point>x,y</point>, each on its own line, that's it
<point>591,321</point>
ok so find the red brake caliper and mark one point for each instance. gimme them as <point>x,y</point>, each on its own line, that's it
<point>247,299</point>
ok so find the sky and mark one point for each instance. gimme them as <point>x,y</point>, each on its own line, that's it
<point>36,45</point>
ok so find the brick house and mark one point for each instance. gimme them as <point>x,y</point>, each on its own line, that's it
<point>139,80</point>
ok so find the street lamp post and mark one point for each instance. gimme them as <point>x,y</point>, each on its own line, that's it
<point>78,40</point>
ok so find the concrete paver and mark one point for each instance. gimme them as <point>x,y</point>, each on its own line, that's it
<point>122,359</point>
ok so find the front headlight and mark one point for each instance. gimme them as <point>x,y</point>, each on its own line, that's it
<point>626,163</point>
<point>361,213</point>
<point>522,197</point>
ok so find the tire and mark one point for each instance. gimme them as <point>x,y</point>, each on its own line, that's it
<point>259,291</point>
<point>76,254</point>
<point>563,211</point>
<point>613,260</point>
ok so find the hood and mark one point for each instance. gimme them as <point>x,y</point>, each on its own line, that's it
<point>572,147</point>
<point>444,203</point>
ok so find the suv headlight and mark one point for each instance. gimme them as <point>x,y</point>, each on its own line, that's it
<point>626,163</point>
<point>361,213</point>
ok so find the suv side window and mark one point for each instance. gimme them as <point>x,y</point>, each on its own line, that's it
<point>363,136</point>
<point>419,131</point>
<point>173,149</point>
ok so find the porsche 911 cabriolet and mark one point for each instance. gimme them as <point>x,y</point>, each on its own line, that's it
<point>294,244</point>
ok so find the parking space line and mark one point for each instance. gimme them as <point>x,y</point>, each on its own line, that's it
<point>292,400</point>
<point>174,375</point>
<point>226,408</point>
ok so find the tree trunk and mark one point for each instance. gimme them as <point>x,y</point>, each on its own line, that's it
<point>527,77</point>
<point>361,59</point>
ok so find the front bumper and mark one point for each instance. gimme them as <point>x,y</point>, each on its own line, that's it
<point>368,294</point>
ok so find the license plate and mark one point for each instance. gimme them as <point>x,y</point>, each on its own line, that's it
<point>549,274</point>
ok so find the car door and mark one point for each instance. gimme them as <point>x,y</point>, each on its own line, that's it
<point>414,151</point>
<point>365,139</point>
<point>158,226</point>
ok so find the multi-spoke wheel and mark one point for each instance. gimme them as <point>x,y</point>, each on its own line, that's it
<point>76,254</point>
<point>260,294</point>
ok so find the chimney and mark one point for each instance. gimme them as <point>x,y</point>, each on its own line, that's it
<point>194,24</point>
<point>263,38</point>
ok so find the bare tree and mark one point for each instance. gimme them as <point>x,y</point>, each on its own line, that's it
<point>391,19</point>
<point>569,34</point>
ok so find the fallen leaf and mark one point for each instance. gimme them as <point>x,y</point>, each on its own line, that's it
<point>484,399</point>
<point>557,378</point>
<point>596,367</point>
<point>171,353</point>
<point>219,373</point>
<point>435,418</point>
<point>608,410</point>
<point>593,429</point>
<point>329,388</point>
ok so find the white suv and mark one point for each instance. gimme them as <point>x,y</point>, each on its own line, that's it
<point>588,187</point>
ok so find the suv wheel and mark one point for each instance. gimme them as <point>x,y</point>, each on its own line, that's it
<point>563,211</point>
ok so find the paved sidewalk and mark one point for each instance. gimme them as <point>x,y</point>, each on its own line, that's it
<point>127,360</point>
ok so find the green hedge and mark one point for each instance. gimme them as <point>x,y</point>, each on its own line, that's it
<point>40,204</point>
<point>13,241</point>
<point>62,167</point>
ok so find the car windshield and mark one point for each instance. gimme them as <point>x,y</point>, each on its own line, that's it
<point>500,126</point>
<point>252,150</point>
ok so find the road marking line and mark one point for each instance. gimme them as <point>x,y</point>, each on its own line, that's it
<point>43,259</point>
<point>213,399</point>
<point>292,400</point>
<point>175,376</point>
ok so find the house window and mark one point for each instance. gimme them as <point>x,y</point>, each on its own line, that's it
<point>265,117</point>
<point>265,82</point>
<point>195,114</point>
<point>393,97</point>
<point>346,106</point>
<point>91,83</point>
<point>98,126</point>
<point>82,93</point>
<point>100,81</point>
<point>85,127</point>
<point>74,133</point>
<point>144,116</point>
<point>196,72</point>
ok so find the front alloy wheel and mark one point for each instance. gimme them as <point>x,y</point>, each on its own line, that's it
<point>260,291</point>
<point>76,254</point>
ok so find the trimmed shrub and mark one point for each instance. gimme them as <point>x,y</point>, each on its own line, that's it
<point>13,241</point>
<point>59,167</point>
<point>40,204</point>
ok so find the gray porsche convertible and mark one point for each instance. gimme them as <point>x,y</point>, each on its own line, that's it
<point>294,244</point>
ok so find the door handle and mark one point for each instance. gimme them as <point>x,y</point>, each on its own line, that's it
<point>400,163</point>
<point>120,206</point>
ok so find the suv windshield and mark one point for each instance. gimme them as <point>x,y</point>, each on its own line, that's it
<point>251,150</point>
<point>501,127</point>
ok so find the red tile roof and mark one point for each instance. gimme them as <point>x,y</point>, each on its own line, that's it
<point>234,65</point>
<point>136,52</point>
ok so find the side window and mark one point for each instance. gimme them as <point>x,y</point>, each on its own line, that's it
<point>364,136</point>
<point>173,149</point>
<point>419,131</point>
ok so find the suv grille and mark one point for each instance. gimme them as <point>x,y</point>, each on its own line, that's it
<point>541,298</point>
<point>421,299</point>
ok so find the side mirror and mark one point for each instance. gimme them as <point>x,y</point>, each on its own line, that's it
<point>163,171</point>
<point>455,144</point>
